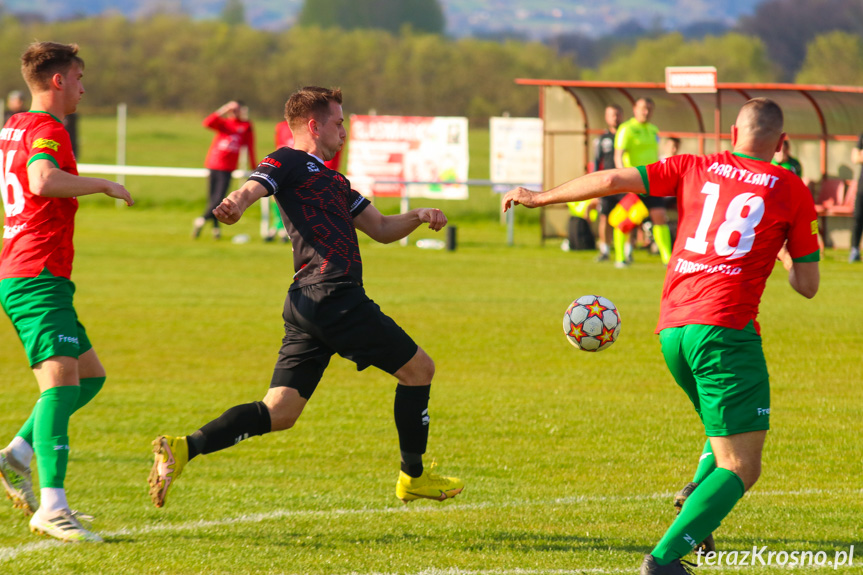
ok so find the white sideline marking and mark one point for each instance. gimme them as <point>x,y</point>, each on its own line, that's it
<point>8,553</point>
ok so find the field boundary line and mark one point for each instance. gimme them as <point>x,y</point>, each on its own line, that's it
<point>9,553</point>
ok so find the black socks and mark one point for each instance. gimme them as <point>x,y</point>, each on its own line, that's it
<point>238,423</point>
<point>412,423</point>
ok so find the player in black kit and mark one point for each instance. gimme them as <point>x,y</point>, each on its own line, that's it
<point>326,310</point>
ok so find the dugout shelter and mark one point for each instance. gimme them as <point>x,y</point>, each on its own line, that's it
<point>822,122</point>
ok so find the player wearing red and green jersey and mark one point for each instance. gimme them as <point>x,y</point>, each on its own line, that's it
<point>38,230</point>
<point>737,214</point>
<point>39,184</point>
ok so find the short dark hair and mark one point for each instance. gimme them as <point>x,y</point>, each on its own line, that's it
<point>42,60</point>
<point>648,101</point>
<point>762,118</point>
<point>310,102</point>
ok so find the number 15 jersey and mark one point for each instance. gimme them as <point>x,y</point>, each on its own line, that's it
<point>735,213</point>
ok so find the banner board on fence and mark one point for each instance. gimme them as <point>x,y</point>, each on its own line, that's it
<point>409,148</point>
<point>690,79</point>
<point>516,150</point>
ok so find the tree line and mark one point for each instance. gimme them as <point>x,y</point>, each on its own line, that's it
<point>174,63</point>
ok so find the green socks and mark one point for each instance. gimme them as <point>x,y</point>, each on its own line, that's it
<point>702,514</point>
<point>662,237</point>
<point>706,464</point>
<point>51,433</point>
<point>89,387</point>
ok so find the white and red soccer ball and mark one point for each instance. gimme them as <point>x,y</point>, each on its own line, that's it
<point>591,323</point>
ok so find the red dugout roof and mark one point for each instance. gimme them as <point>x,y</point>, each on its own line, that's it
<point>813,113</point>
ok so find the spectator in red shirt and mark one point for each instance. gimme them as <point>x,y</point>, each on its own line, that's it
<point>233,132</point>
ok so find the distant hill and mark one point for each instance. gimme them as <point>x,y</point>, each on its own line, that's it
<point>533,19</point>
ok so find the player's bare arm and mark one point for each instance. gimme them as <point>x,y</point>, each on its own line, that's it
<point>47,180</point>
<point>386,229</point>
<point>232,208</point>
<point>805,278</point>
<point>586,187</point>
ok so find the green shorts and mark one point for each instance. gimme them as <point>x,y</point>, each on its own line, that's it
<point>42,313</point>
<point>723,372</point>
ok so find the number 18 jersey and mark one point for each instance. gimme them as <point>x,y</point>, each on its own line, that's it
<point>734,215</point>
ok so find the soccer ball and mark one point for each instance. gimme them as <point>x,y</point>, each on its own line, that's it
<point>591,323</point>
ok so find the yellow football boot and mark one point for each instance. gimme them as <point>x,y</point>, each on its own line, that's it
<point>172,454</point>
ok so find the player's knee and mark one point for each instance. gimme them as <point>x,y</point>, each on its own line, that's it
<point>425,368</point>
<point>282,421</point>
<point>429,368</point>
<point>753,472</point>
<point>285,406</point>
<point>282,417</point>
<point>748,472</point>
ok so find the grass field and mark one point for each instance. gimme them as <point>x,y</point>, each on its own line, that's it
<point>570,458</point>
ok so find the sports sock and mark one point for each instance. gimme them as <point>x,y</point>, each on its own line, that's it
<point>412,423</point>
<point>52,499</point>
<point>22,452</point>
<point>51,433</point>
<point>89,387</point>
<point>706,464</point>
<point>703,513</point>
<point>619,245</point>
<point>238,423</point>
<point>662,237</point>
<point>412,463</point>
<point>603,248</point>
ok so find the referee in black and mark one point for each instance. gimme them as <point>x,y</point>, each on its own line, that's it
<point>326,309</point>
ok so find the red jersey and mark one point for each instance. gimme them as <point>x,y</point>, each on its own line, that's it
<point>38,230</point>
<point>285,138</point>
<point>231,136</point>
<point>734,215</point>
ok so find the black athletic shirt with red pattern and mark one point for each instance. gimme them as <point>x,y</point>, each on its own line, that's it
<point>318,207</point>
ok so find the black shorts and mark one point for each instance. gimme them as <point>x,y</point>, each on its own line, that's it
<point>336,317</point>
<point>652,202</point>
<point>607,203</point>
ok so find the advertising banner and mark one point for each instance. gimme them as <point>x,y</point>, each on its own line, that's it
<point>431,151</point>
<point>516,151</point>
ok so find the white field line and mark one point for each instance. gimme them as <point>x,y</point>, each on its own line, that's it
<point>9,553</point>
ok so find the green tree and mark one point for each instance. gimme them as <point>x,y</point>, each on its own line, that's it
<point>171,62</point>
<point>787,26</point>
<point>737,58</point>
<point>834,58</point>
<point>391,15</point>
<point>13,41</point>
<point>234,13</point>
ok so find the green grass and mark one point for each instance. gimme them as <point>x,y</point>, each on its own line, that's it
<point>570,458</point>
